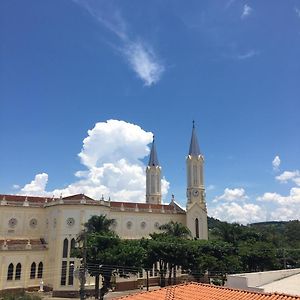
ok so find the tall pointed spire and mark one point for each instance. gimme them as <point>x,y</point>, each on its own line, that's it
<point>194,146</point>
<point>153,160</point>
<point>153,178</point>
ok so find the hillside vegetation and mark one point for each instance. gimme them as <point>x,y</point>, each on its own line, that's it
<point>261,246</point>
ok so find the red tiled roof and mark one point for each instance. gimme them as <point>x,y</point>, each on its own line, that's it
<point>18,198</point>
<point>76,199</point>
<point>146,206</point>
<point>200,291</point>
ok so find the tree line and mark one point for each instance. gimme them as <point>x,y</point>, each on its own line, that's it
<point>231,248</point>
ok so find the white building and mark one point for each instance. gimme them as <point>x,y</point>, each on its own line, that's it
<point>278,281</point>
<point>37,233</point>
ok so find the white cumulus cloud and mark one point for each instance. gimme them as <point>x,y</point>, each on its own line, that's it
<point>242,213</point>
<point>247,10</point>
<point>37,186</point>
<point>276,163</point>
<point>112,154</point>
<point>286,213</point>
<point>292,198</point>
<point>289,175</point>
<point>232,195</point>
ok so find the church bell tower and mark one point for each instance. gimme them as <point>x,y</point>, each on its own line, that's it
<point>153,178</point>
<point>194,165</point>
<point>195,192</point>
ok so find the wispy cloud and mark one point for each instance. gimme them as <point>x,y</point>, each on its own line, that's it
<point>297,11</point>
<point>139,55</point>
<point>276,163</point>
<point>247,10</point>
<point>229,3</point>
<point>247,54</point>
<point>144,62</point>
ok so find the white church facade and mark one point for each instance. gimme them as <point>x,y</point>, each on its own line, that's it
<point>37,234</point>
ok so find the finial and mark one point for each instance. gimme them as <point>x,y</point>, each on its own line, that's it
<point>102,198</point>
<point>193,123</point>
<point>173,197</point>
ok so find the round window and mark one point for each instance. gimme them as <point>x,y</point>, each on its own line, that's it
<point>143,225</point>
<point>129,224</point>
<point>33,223</point>
<point>70,221</point>
<point>13,222</point>
<point>156,225</point>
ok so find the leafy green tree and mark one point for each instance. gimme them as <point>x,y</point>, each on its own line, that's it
<point>175,229</point>
<point>292,233</point>
<point>99,237</point>
<point>168,249</point>
<point>107,254</point>
<point>216,257</point>
<point>258,256</point>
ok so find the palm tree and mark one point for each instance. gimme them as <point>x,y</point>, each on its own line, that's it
<point>99,224</point>
<point>176,229</point>
<point>172,233</point>
<point>95,227</point>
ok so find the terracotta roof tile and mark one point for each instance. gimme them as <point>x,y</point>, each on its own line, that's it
<point>78,197</point>
<point>18,198</point>
<point>200,291</point>
<point>147,206</point>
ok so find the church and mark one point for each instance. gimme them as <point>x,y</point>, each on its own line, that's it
<point>38,233</point>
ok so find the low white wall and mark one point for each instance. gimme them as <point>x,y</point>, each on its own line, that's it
<point>254,280</point>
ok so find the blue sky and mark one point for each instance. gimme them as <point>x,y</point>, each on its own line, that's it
<point>232,66</point>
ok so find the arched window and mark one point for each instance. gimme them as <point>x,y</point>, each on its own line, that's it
<point>197,228</point>
<point>73,243</point>
<point>18,271</point>
<point>71,273</point>
<point>195,175</point>
<point>65,248</point>
<point>32,270</point>
<point>63,278</point>
<point>10,272</point>
<point>153,184</point>
<point>40,270</point>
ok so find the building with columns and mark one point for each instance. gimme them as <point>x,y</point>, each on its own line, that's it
<point>38,233</point>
